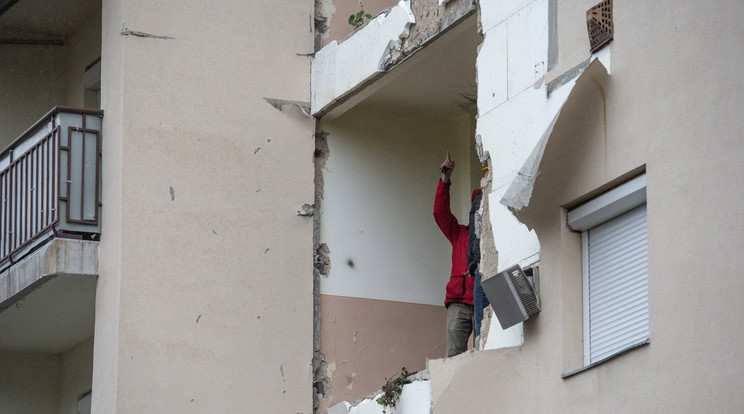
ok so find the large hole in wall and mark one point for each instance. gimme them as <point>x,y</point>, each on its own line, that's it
<point>381,304</point>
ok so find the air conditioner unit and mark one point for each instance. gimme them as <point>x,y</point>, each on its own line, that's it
<point>512,296</point>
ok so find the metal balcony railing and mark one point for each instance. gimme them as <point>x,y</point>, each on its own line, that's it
<point>50,182</point>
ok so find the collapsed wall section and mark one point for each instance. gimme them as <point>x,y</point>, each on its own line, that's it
<point>381,302</point>
<point>343,69</point>
<point>517,110</point>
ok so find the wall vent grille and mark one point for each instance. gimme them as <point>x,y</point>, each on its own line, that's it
<point>599,24</point>
<point>524,290</point>
<point>512,297</point>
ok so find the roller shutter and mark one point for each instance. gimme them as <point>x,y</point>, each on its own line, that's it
<point>617,287</point>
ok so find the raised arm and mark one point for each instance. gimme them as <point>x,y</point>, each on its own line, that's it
<point>446,221</point>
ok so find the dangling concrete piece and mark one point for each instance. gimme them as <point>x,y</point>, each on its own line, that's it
<point>517,111</point>
<point>519,192</point>
<point>518,131</point>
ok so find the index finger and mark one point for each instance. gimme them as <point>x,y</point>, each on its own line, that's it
<point>448,156</point>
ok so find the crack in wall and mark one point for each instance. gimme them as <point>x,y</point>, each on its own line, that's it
<point>128,32</point>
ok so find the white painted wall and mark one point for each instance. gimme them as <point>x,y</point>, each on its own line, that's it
<point>513,58</point>
<point>380,180</point>
<point>204,301</point>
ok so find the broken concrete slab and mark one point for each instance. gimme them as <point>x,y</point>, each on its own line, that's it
<point>338,68</point>
<point>342,69</point>
<point>432,20</point>
<point>415,397</point>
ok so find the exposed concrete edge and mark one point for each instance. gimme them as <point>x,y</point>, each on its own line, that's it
<point>321,265</point>
<point>381,78</point>
<point>59,256</point>
<point>433,20</point>
<point>23,292</point>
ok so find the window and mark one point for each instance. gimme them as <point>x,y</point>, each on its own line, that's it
<point>615,270</point>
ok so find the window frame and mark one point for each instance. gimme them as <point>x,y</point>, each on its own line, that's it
<point>610,205</point>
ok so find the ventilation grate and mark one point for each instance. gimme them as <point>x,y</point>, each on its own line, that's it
<point>599,24</point>
<point>512,297</point>
<point>524,290</point>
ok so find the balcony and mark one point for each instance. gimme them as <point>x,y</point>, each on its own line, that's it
<point>50,183</point>
<point>50,202</point>
<point>50,210</point>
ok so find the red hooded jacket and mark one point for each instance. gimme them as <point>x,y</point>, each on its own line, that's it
<point>460,286</point>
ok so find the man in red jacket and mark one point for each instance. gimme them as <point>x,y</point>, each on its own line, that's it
<point>459,298</point>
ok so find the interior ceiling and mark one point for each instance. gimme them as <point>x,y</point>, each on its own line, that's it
<point>439,78</point>
<point>53,318</point>
<point>44,18</point>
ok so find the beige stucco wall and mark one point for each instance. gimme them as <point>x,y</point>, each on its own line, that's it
<point>29,382</point>
<point>670,105</point>
<point>204,301</point>
<point>108,292</point>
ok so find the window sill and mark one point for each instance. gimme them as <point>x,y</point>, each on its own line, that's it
<point>592,365</point>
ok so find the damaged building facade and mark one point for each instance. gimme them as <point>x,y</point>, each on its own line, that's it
<point>613,176</point>
<point>236,204</point>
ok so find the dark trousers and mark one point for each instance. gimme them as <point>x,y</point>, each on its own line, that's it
<point>459,327</point>
<point>481,301</point>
